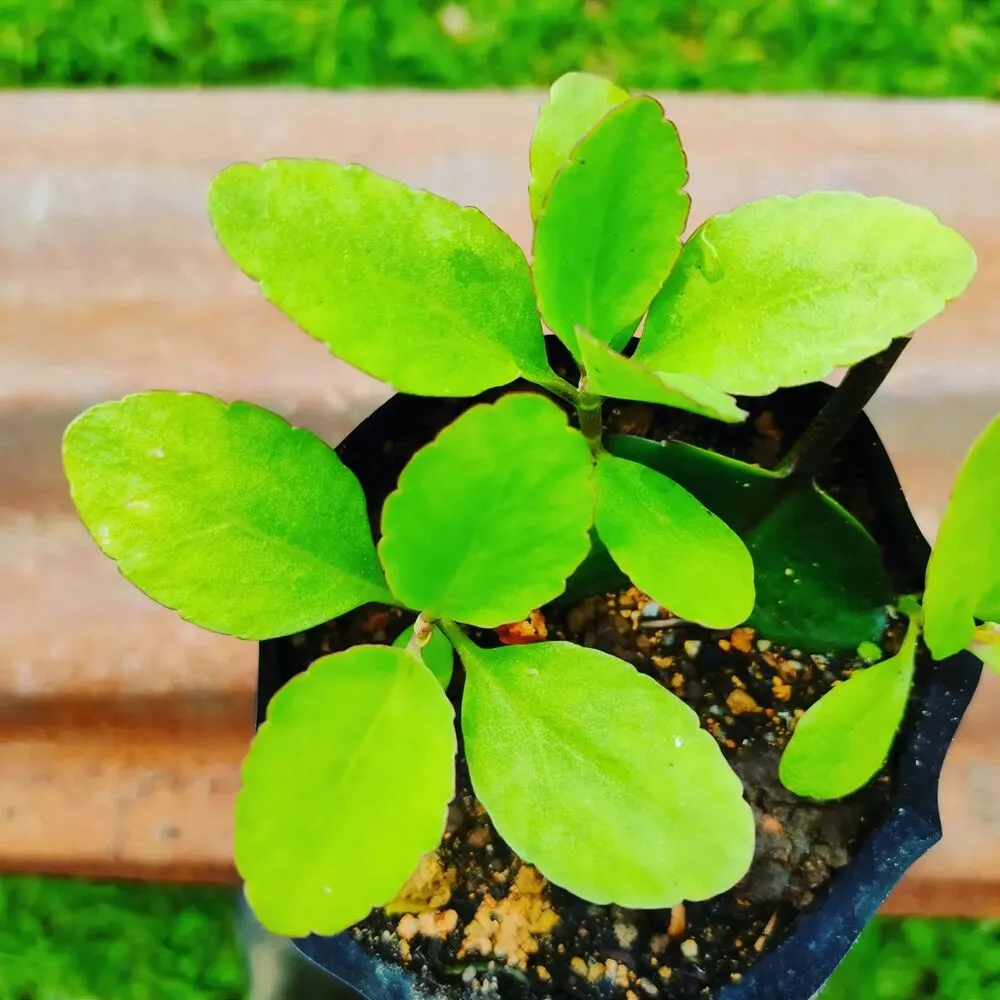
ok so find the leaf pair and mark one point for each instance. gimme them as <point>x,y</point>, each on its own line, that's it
<point>589,770</point>
<point>775,293</point>
<point>248,526</point>
<point>490,520</point>
<point>819,578</point>
<point>486,524</point>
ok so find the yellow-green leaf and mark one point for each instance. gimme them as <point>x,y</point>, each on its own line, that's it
<point>963,576</point>
<point>224,512</point>
<point>409,287</point>
<point>781,291</point>
<point>601,777</point>
<point>671,545</point>
<point>577,102</point>
<point>490,519</point>
<point>843,740</point>
<point>610,228</point>
<point>609,373</point>
<point>345,788</point>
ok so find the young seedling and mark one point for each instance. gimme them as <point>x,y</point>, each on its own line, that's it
<point>248,526</point>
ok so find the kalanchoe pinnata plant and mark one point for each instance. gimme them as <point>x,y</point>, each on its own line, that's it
<point>589,769</point>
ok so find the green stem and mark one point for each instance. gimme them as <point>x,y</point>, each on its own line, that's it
<point>589,411</point>
<point>909,604</point>
<point>908,646</point>
<point>811,451</point>
<point>558,386</point>
<point>467,649</point>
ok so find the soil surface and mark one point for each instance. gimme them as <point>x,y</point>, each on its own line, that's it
<point>476,920</point>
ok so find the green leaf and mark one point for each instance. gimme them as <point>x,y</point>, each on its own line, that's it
<point>413,289</point>
<point>672,546</point>
<point>724,485</point>
<point>597,574</point>
<point>437,654</point>
<point>490,519</point>
<point>986,645</point>
<point>577,102</point>
<point>819,577</point>
<point>821,582</point>
<point>870,652</point>
<point>240,522</point>
<point>610,374</point>
<point>781,291</point>
<point>963,576</point>
<point>843,740</point>
<point>610,228</point>
<point>600,777</point>
<point>623,337</point>
<point>345,788</point>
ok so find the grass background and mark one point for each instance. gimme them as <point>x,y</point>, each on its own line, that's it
<point>62,939</point>
<point>66,940</point>
<point>919,47</point>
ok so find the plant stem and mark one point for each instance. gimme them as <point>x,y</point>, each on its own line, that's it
<point>589,410</point>
<point>422,632</point>
<point>558,386</point>
<point>468,651</point>
<point>811,451</point>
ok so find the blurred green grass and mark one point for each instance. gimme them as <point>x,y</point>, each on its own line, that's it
<point>62,939</point>
<point>67,940</point>
<point>917,47</point>
<point>907,959</point>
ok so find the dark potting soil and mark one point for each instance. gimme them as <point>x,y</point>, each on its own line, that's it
<point>476,920</point>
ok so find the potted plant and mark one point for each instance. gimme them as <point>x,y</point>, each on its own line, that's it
<point>702,692</point>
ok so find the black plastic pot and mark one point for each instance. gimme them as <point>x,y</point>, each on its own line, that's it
<point>799,966</point>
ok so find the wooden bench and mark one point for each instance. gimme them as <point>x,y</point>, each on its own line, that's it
<point>121,727</point>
